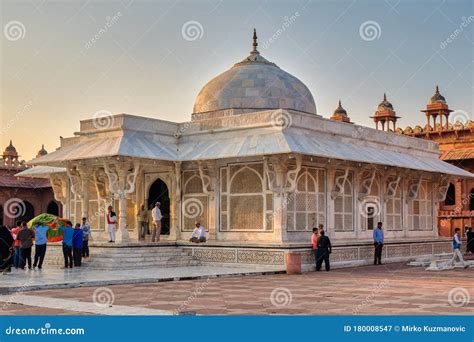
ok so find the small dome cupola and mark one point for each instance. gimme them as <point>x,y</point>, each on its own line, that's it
<point>340,114</point>
<point>41,152</point>
<point>437,97</point>
<point>385,115</point>
<point>10,151</point>
<point>385,104</point>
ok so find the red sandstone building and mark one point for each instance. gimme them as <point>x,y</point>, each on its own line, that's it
<point>455,135</point>
<point>22,198</point>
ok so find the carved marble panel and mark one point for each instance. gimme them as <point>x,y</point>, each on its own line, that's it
<point>344,254</point>
<point>442,247</point>
<point>223,255</point>
<point>260,257</point>
<point>398,251</point>
<point>423,249</point>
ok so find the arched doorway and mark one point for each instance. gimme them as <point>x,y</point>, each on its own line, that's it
<point>158,192</point>
<point>25,211</point>
<point>450,195</point>
<point>53,208</point>
<point>471,200</point>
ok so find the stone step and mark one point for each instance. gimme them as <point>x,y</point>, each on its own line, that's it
<point>128,257</point>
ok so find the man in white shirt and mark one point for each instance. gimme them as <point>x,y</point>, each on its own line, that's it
<point>199,234</point>
<point>156,229</point>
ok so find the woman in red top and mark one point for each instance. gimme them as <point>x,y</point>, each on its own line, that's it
<point>16,245</point>
<point>314,243</point>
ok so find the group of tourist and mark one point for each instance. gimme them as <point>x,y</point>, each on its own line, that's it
<point>145,217</point>
<point>321,246</point>
<point>16,245</point>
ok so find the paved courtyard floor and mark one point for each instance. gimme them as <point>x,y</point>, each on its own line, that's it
<point>394,289</point>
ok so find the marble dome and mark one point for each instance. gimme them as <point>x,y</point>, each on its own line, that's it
<point>254,84</point>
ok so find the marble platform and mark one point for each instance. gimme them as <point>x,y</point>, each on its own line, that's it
<point>54,278</point>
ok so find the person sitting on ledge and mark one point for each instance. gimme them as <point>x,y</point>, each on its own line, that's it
<point>199,234</point>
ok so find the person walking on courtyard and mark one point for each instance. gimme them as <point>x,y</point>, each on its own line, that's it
<point>6,250</point>
<point>77,242</point>
<point>324,249</point>
<point>470,240</point>
<point>378,244</point>
<point>199,234</point>
<point>26,237</point>
<point>68,234</point>
<point>142,222</point>
<point>314,245</point>
<point>41,240</point>
<point>16,245</point>
<point>86,231</point>
<point>156,229</point>
<point>457,249</point>
<point>111,223</point>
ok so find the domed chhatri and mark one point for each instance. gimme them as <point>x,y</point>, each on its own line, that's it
<point>385,115</point>
<point>41,152</point>
<point>384,104</point>
<point>10,150</point>
<point>254,84</point>
<point>340,114</point>
<point>437,97</point>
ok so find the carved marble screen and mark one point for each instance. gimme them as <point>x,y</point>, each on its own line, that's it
<point>306,207</point>
<point>195,204</point>
<point>344,204</point>
<point>394,208</point>
<point>420,209</point>
<point>245,202</point>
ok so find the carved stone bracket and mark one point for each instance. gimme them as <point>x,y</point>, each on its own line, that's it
<point>413,187</point>
<point>76,180</point>
<point>392,187</point>
<point>366,183</point>
<point>280,179</point>
<point>441,189</point>
<point>59,185</point>
<point>101,183</point>
<point>339,182</point>
<point>122,178</point>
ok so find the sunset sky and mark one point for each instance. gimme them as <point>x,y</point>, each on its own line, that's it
<point>56,73</point>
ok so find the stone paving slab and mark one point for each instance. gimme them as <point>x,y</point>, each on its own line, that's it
<point>394,289</point>
<point>53,278</point>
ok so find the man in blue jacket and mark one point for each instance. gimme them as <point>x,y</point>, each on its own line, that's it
<point>41,232</point>
<point>68,233</point>
<point>378,244</point>
<point>77,238</point>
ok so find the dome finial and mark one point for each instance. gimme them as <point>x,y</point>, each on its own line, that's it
<point>437,89</point>
<point>384,96</point>
<point>340,103</point>
<point>255,44</point>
